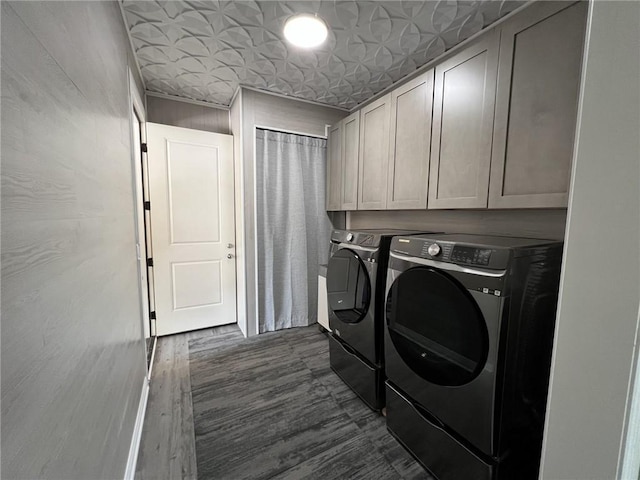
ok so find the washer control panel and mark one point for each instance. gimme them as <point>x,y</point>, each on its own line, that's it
<point>434,249</point>
<point>471,255</point>
<point>451,252</point>
<point>441,251</point>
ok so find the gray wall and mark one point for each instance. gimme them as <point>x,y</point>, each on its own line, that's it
<point>598,306</point>
<point>520,223</point>
<point>277,113</point>
<point>187,115</point>
<point>73,355</point>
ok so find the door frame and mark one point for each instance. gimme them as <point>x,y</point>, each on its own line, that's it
<point>137,106</point>
<point>239,205</point>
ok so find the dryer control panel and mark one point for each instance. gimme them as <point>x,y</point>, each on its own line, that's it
<point>355,238</point>
<point>367,238</point>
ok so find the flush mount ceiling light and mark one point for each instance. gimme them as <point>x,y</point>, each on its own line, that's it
<point>306,31</point>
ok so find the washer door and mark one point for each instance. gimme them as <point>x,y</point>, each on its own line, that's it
<point>348,286</point>
<point>436,327</point>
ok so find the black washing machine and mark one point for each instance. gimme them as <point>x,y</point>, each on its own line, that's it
<point>468,341</point>
<point>356,276</point>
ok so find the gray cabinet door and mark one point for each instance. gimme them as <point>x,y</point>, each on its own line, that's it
<point>536,106</point>
<point>463,107</point>
<point>374,154</point>
<point>350,144</point>
<point>410,140</point>
<point>334,168</point>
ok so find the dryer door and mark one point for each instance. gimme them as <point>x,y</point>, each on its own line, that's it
<point>348,286</point>
<point>436,327</point>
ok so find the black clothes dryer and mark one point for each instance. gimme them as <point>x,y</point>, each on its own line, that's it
<point>356,276</point>
<point>468,340</point>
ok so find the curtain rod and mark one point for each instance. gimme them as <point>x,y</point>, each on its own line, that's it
<point>291,132</point>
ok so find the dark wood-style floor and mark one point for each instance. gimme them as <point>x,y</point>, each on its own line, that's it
<point>168,446</point>
<point>225,407</point>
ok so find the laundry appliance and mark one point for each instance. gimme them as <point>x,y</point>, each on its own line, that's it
<point>468,339</point>
<point>356,275</point>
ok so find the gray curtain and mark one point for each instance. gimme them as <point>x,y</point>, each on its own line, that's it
<point>292,227</point>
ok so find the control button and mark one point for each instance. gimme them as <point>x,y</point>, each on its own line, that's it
<point>350,237</point>
<point>434,249</point>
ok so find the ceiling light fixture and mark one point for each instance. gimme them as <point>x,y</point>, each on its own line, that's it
<point>306,31</point>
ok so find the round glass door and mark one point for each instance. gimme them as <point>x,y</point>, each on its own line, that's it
<point>436,327</point>
<point>348,286</point>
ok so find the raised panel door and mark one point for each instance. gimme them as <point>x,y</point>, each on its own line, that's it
<point>374,154</point>
<point>334,168</point>
<point>192,225</point>
<point>464,100</point>
<point>536,106</point>
<point>411,109</point>
<point>350,147</point>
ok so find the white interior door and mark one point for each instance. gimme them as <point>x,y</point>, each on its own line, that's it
<point>192,225</point>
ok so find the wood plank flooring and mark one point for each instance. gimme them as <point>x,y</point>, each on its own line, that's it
<point>225,407</point>
<point>167,447</point>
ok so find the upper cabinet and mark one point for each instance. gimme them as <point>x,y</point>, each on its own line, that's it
<point>334,168</point>
<point>463,108</point>
<point>374,154</point>
<point>491,126</point>
<point>536,106</point>
<point>409,143</point>
<point>350,144</point>
<point>342,164</point>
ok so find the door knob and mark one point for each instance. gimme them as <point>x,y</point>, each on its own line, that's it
<point>229,255</point>
<point>229,245</point>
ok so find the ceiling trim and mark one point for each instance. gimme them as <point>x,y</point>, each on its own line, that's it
<point>131,47</point>
<point>176,98</point>
<point>291,97</point>
<point>432,63</point>
<point>235,95</point>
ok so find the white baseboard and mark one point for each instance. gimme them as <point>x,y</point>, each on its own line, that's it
<point>630,453</point>
<point>130,472</point>
<point>153,356</point>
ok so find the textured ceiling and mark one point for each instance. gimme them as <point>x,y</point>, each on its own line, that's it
<point>203,50</point>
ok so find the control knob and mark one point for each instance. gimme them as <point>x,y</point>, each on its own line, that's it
<point>434,250</point>
<point>350,237</point>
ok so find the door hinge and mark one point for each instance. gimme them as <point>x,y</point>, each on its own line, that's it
<point>143,147</point>
<point>149,262</point>
<point>152,315</point>
<point>147,205</point>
